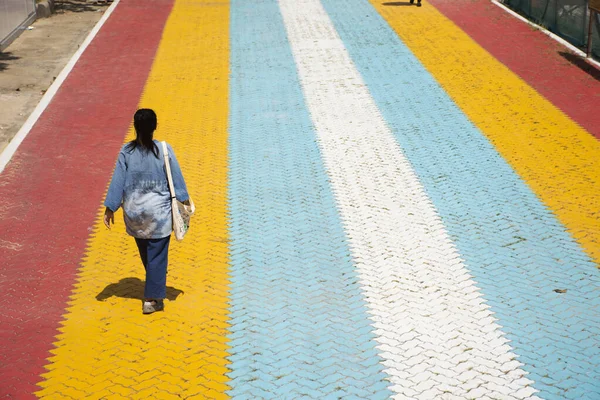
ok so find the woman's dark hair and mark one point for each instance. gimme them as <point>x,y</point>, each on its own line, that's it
<point>144,122</point>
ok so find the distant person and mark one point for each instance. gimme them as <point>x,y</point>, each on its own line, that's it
<point>139,184</point>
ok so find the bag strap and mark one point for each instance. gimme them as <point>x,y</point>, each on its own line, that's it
<point>168,167</point>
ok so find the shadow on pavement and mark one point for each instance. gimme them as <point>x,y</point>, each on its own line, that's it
<point>6,57</point>
<point>132,288</point>
<point>581,63</point>
<point>400,3</point>
<point>77,5</point>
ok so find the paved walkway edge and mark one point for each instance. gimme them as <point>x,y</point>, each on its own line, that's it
<point>16,141</point>
<point>546,32</point>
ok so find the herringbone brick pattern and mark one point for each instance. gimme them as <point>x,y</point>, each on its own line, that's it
<point>107,349</point>
<point>384,211</point>
<point>298,320</point>
<point>437,336</point>
<point>51,189</point>
<point>520,256</point>
<point>554,155</point>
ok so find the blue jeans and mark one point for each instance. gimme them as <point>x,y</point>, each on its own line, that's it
<point>155,257</point>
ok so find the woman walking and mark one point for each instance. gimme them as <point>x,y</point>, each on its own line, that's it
<point>139,184</point>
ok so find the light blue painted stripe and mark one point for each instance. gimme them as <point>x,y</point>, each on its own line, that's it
<point>299,325</point>
<point>515,248</point>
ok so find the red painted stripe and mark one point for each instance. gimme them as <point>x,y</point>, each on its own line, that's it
<point>51,190</point>
<point>566,80</point>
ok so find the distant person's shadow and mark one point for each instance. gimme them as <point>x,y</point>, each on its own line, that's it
<point>132,288</point>
<point>402,3</point>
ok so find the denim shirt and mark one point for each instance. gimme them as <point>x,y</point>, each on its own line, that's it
<point>139,184</point>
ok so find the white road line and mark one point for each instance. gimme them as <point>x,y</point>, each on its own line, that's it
<point>434,331</point>
<point>16,141</point>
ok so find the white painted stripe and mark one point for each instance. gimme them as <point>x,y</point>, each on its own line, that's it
<point>434,330</point>
<point>547,33</point>
<point>16,141</point>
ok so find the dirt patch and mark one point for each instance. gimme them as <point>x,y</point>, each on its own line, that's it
<point>31,63</point>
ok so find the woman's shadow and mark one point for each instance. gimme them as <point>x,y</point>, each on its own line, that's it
<point>132,288</point>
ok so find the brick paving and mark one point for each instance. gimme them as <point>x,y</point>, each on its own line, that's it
<point>391,204</point>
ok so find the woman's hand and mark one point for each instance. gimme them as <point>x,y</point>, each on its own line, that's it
<point>109,216</point>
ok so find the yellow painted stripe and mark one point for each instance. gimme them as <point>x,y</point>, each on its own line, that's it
<point>108,349</point>
<point>557,158</point>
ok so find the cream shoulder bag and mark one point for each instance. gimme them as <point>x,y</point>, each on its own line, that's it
<point>181,213</point>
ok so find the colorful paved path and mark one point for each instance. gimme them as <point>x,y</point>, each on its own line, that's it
<point>394,202</point>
